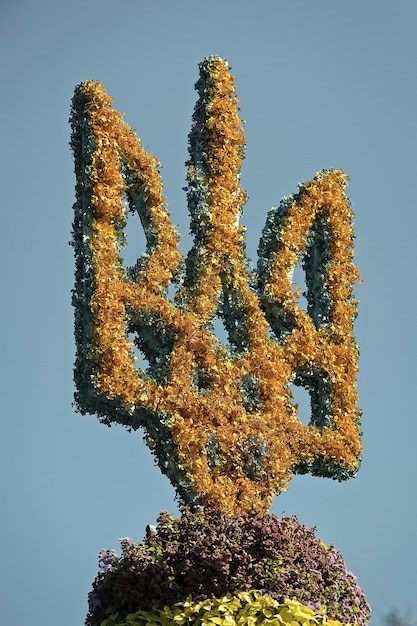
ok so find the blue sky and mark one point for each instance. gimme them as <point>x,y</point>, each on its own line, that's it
<point>321,84</point>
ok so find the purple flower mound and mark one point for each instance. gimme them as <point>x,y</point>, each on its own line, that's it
<point>206,553</point>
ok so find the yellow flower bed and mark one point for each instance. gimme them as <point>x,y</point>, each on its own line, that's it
<point>241,609</point>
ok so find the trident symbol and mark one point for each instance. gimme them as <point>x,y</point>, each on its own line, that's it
<point>219,417</point>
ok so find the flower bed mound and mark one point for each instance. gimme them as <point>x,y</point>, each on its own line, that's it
<point>206,554</point>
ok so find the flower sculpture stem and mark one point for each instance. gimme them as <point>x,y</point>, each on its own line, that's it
<point>220,418</point>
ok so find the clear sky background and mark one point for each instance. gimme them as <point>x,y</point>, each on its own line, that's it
<point>325,84</point>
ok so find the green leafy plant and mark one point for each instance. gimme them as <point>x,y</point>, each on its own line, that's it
<point>241,609</point>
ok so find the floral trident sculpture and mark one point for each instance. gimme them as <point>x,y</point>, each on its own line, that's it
<point>219,417</point>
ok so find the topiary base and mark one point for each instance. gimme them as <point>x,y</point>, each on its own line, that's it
<point>243,569</point>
